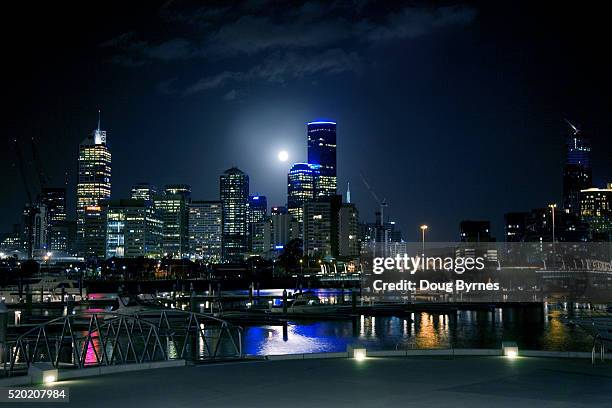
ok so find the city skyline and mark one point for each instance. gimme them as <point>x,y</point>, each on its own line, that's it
<point>267,117</point>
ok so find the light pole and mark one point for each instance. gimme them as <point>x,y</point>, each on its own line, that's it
<point>423,229</point>
<point>553,206</point>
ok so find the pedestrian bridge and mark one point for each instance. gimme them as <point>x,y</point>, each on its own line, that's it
<point>103,338</point>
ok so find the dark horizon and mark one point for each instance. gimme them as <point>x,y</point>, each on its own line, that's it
<point>451,112</point>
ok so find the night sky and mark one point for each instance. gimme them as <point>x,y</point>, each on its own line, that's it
<point>451,111</point>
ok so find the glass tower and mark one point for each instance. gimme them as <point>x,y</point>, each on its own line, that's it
<point>205,230</point>
<point>234,194</point>
<point>322,152</point>
<point>301,188</point>
<point>577,173</point>
<point>93,186</point>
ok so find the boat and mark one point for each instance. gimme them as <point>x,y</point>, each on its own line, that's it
<point>306,303</point>
<point>52,288</point>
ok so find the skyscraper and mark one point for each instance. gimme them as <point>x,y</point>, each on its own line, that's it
<point>144,191</point>
<point>596,211</point>
<point>54,199</point>
<point>184,190</point>
<point>317,228</point>
<point>475,231</point>
<point>322,152</point>
<point>93,186</point>
<point>257,211</point>
<point>300,188</point>
<point>234,194</point>
<point>577,172</point>
<point>205,230</point>
<point>172,208</point>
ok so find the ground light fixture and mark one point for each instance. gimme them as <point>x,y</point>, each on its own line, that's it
<point>43,373</point>
<point>359,353</point>
<point>509,349</point>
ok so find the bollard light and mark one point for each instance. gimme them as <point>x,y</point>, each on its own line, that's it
<point>43,373</point>
<point>357,352</point>
<point>509,349</point>
<point>50,379</point>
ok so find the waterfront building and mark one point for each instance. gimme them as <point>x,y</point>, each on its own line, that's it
<point>301,181</point>
<point>475,231</point>
<point>577,174</point>
<point>596,211</point>
<point>93,186</point>
<point>257,211</point>
<point>348,231</point>
<point>234,194</point>
<point>261,236</point>
<point>515,226</point>
<point>133,229</point>
<point>144,191</point>
<point>205,230</point>
<point>322,152</point>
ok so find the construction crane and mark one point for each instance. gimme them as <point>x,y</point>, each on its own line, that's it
<point>29,216</point>
<point>42,177</point>
<point>381,203</point>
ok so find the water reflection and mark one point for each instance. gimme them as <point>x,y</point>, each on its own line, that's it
<point>461,329</point>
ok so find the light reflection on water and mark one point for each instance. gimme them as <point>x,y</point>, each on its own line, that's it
<point>470,329</point>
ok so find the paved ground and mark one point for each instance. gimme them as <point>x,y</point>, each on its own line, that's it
<point>376,382</point>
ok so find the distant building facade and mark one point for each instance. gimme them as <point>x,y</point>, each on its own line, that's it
<point>596,211</point>
<point>234,194</point>
<point>348,231</point>
<point>133,229</point>
<point>144,191</point>
<point>206,230</point>
<point>301,181</point>
<point>577,173</point>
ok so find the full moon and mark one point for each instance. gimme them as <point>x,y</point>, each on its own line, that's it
<point>283,155</point>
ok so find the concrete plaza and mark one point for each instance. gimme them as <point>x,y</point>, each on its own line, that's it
<point>375,382</point>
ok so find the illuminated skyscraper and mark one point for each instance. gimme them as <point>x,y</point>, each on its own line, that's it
<point>300,188</point>
<point>257,211</point>
<point>577,171</point>
<point>93,186</point>
<point>205,230</point>
<point>172,208</point>
<point>322,151</point>
<point>234,194</point>
<point>54,199</point>
<point>348,231</point>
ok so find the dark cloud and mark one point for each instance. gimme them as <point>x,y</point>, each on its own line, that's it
<point>291,43</point>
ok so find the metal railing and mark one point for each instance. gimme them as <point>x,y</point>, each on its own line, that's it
<point>111,338</point>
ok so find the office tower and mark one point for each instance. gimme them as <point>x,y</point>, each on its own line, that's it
<point>596,211</point>
<point>173,210</point>
<point>348,231</point>
<point>317,229</point>
<point>257,211</point>
<point>205,230</point>
<point>40,228</point>
<point>133,229</point>
<point>278,210</point>
<point>183,190</point>
<point>93,186</point>
<point>54,199</point>
<point>475,231</point>
<point>577,171</point>
<point>322,152</point>
<point>261,236</point>
<point>284,228</point>
<point>515,226</point>
<point>300,188</point>
<point>144,191</point>
<point>234,193</point>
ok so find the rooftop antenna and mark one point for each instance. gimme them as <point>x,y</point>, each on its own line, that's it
<point>99,114</point>
<point>348,192</point>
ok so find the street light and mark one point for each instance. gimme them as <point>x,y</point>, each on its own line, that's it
<point>553,206</point>
<point>423,229</point>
